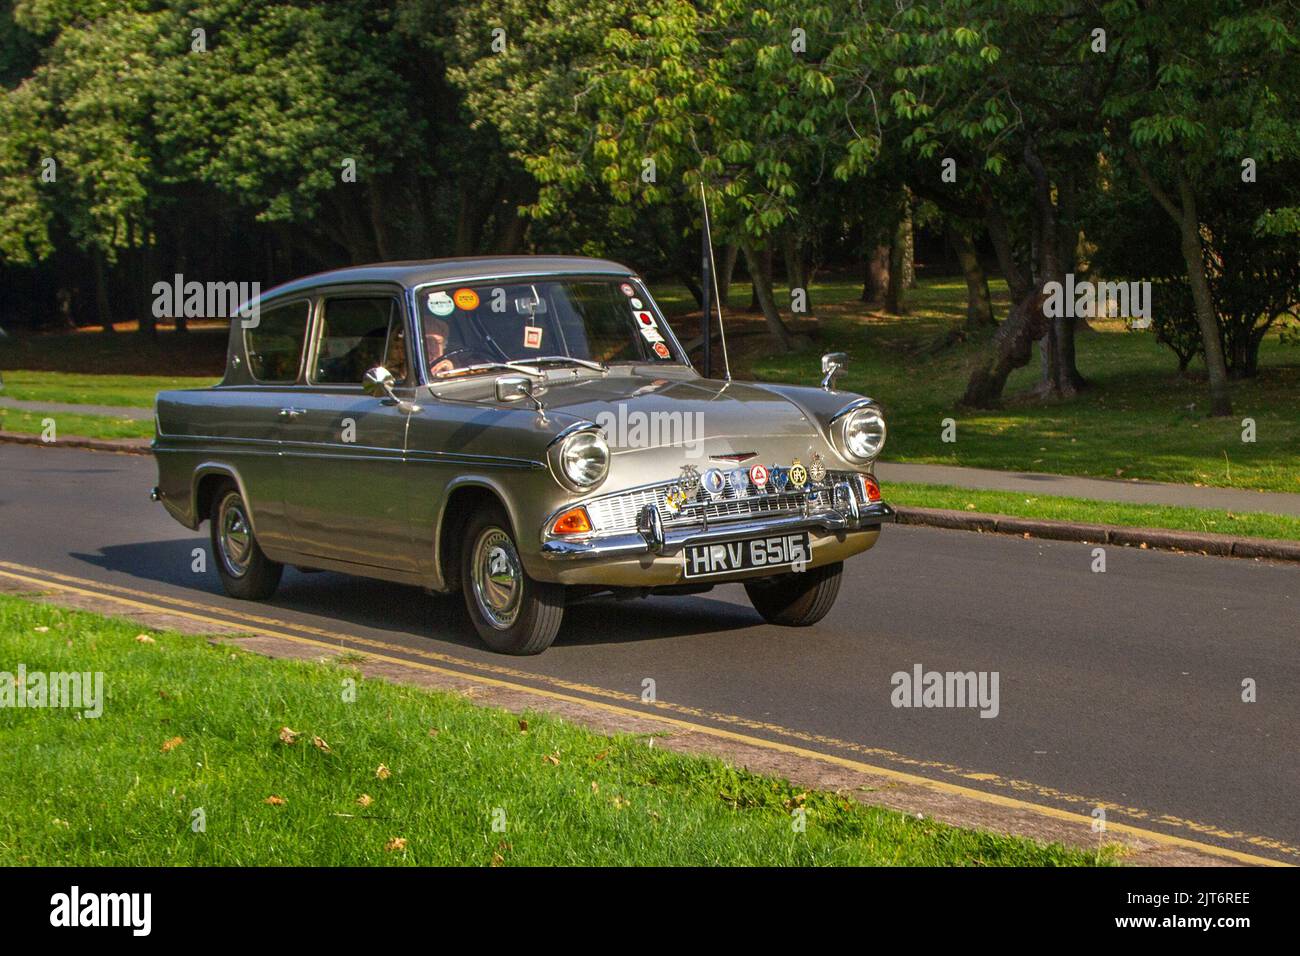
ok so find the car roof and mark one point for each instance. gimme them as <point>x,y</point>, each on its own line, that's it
<point>468,269</point>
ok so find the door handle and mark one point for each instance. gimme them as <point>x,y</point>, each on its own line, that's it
<point>292,413</point>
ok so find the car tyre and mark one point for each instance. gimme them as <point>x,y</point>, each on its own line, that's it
<point>797,600</point>
<point>512,613</point>
<point>246,572</point>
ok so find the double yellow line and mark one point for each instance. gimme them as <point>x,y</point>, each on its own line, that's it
<point>270,627</point>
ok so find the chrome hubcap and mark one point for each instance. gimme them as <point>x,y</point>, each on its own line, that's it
<point>497,578</point>
<point>235,537</point>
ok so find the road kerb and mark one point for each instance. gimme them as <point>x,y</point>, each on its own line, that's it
<point>1160,539</point>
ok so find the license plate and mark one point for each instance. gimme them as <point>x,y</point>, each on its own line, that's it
<point>749,554</point>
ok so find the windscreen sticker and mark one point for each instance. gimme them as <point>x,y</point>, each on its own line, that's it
<point>661,350</point>
<point>440,303</point>
<point>651,334</point>
<point>645,319</point>
<point>532,336</point>
<point>467,299</point>
<point>635,302</point>
<point>627,289</point>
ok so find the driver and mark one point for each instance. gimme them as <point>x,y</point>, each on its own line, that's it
<point>436,333</point>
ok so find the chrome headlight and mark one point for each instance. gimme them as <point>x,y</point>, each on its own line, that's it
<point>581,460</point>
<point>862,433</point>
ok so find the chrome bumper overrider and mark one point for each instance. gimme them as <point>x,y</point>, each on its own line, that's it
<point>652,538</point>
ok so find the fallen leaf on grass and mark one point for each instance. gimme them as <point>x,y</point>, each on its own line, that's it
<point>395,844</point>
<point>434,731</point>
<point>602,755</point>
<point>144,639</point>
<point>552,759</point>
<point>42,629</point>
<point>275,801</point>
<point>288,736</point>
<point>320,744</point>
<point>523,726</point>
<point>620,802</point>
<point>170,745</point>
<point>365,800</point>
<point>382,772</point>
<point>498,860</point>
<point>595,787</point>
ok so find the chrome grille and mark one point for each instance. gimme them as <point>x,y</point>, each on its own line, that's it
<point>618,512</point>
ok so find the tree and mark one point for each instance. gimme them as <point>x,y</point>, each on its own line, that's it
<point>1202,86</point>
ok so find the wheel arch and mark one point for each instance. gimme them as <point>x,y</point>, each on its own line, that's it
<point>207,478</point>
<point>462,498</point>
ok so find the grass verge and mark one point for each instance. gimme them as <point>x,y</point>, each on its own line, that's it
<point>1089,511</point>
<point>398,775</point>
<point>85,426</point>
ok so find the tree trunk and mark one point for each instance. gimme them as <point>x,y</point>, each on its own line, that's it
<point>1062,375</point>
<point>895,286</point>
<point>979,304</point>
<point>1184,213</point>
<point>1013,346</point>
<point>103,305</point>
<point>1194,257</point>
<point>763,290</point>
<point>729,257</point>
<point>1018,283</point>
<point>876,282</point>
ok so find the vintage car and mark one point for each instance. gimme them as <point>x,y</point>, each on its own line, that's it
<point>526,429</point>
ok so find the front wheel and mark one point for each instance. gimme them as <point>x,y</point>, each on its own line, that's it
<point>511,612</point>
<point>796,599</point>
<point>246,572</point>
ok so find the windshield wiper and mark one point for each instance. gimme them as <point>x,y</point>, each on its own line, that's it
<point>585,363</point>
<point>488,366</point>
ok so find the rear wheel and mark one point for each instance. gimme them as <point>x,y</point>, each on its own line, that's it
<point>796,600</point>
<point>511,612</point>
<point>246,572</point>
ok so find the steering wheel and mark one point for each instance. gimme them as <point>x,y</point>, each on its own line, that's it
<point>444,362</point>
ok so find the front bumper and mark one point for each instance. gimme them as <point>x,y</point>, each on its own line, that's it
<point>652,555</point>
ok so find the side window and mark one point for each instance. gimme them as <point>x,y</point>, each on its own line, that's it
<point>274,345</point>
<point>356,335</point>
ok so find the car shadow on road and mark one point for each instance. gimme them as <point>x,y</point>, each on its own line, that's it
<point>402,609</point>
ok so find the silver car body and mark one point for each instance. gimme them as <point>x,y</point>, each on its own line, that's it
<point>389,505</point>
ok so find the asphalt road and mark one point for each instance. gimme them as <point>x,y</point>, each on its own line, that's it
<point>1121,688</point>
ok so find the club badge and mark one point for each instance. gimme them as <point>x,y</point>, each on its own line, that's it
<point>661,350</point>
<point>778,477</point>
<point>817,469</point>
<point>713,483</point>
<point>758,477</point>
<point>739,479</point>
<point>690,480</point>
<point>675,500</point>
<point>798,475</point>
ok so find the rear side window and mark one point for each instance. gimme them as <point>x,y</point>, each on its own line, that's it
<point>274,345</point>
<point>356,335</point>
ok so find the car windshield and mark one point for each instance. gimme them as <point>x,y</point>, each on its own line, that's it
<point>569,321</point>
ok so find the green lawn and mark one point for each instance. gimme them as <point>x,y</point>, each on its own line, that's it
<point>187,726</point>
<point>1058,508</point>
<point>86,426</point>
<point>135,391</point>
<point>1140,420</point>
